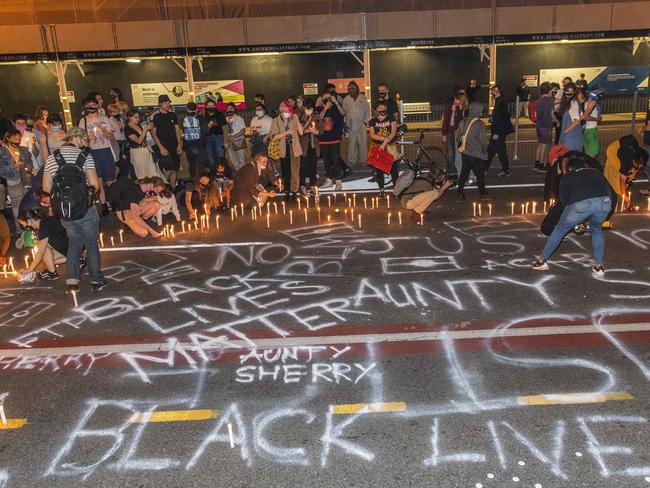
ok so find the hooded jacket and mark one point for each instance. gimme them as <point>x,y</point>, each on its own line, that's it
<point>477,142</point>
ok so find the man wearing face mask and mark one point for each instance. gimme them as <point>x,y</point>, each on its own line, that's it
<point>212,123</point>
<point>15,168</point>
<point>236,144</point>
<point>383,95</point>
<point>357,113</point>
<point>167,134</point>
<point>260,129</point>
<point>571,134</point>
<point>193,142</point>
<point>500,128</point>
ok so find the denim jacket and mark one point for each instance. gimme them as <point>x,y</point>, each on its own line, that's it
<point>8,169</point>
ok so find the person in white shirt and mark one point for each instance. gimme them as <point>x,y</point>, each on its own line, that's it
<point>260,129</point>
<point>168,205</point>
<point>357,114</point>
<point>236,145</point>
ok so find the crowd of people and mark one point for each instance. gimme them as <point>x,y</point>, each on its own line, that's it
<point>117,160</point>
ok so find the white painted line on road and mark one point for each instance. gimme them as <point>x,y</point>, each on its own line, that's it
<point>334,339</point>
<point>183,246</point>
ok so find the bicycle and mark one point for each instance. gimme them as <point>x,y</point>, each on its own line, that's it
<point>423,158</point>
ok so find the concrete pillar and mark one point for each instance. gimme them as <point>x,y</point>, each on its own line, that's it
<point>189,74</point>
<point>493,70</point>
<point>59,68</point>
<point>366,76</point>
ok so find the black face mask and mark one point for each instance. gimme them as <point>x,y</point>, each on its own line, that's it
<point>91,110</point>
<point>382,113</point>
<point>570,96</point>
<point>15,144</point>
<point>230,113</point>
<point>383,96</point>
<point>210,110</point>
<point>117,116</point>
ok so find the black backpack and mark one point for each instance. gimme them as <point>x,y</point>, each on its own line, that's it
<point>71,195</point>
<point>119,193</point>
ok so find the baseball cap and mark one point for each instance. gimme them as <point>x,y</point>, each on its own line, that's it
<point>163,98</point>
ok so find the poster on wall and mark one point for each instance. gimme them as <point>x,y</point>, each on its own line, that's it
<point>615,80</point>
<point>310,88</point>
<point>531,80</point>
<point>341,84</point>
<point>222,91</point>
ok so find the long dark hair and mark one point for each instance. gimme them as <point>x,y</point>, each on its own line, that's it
<point>565,103</point>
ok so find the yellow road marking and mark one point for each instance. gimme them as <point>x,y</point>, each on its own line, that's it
<point>13,424</point>
<point>173,416</point>
<point>573,398</point>
<point>350,408</point>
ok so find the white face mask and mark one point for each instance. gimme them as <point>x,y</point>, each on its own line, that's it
<point>299,103</point>
<point>286,115</point>
<point>259,113</point>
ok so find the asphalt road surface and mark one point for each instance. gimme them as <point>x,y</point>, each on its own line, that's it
<point>337,355</point>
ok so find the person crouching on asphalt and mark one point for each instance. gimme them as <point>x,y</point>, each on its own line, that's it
<point>584,194</point>
<point>472,145</point>
<point>249,189</point>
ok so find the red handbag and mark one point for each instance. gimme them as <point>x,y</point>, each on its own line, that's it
<point>382,160</point>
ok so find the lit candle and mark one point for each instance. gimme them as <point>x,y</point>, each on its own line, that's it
<point>329,218</point>
<point>205,208</point>
<point>527,203</point>
<point>112,241</point>
<point>275,207</point>
<point>534,207</point>
<point>305,216</point>
<point>232,214</point>
<point>622,202</point>
<point>290,216</point>
<point>101,239</point>
<point>27,261</point>
<point>329,200</point>
<point>173,233</point>
<point>74,298</point>
<point>307,201</point>
<point>388,218</point>
<point>284,208</point>
<point>354,199</point>
<point>121,235</point>
<point>480,213</point>
<point>253,213</point>
<point>4,269</point>
<point>268,220</point>
<point>474,208</point>
<point>648,204</point>
<point>399,217</point>
<point>421,219</point>
<point>522,208</point>
<point>268,207</point>
<point>489,209</point>
<point>512,208</point>
<point>11,260</point>
<point>196,225</point>
<point>299,208</point>
<point>345,215</point>
<point>242,209</point>
<point>365,203</point>
<point>318,213</point>
<point>236,214</point>
<point>387,201</point>
<point>544,207</point>
<point>217,222</point>
<point>352,215</point>
<point>359,221</point>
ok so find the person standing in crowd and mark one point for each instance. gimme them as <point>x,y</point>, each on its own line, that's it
<point>523,92</point>
<point>448,132</point>
<point>53,138</point>
<point>585,195</point>
<point>501,127</point>
<point>115,95</point>
<point>543,126</point>
<point>213,122</point>
<point>472,90</point>
<point>27,140</point>
<point>458,114</point>
<point>581,83</point>
<point>193,142</point>
<point>383,95</point>
<point>259,98</point>
<point>249,189</point>
<point>331,113</point>
<point>383,130</point>
<point>120,147</point>
<point>15,168</point>
<point>286,128</point>
<point>557,116</point>
<point>84,232</point>
<point>236,137</point>
<point>571,133</point>
<point>645,137</point>
<point>357,114</point>
<point>473,146</point>
<point>100,135</point>
<point>140,153</point>
<point>167,134</point>
<point>310,148</point>
<point>39,127</point>
<point>591,116</point>
<point>260,130</point>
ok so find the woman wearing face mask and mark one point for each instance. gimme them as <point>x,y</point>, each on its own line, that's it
<point>383,129</point>
<point>260,130</point>
<point>119,139</point>
<point>310,148</point>
<point>140,151</point>
<point>15,167</point>
<point>236,146</point>
<point>212,122</point>
<point>571,132</point>
<point>52,140</point>
<point>286,128</point>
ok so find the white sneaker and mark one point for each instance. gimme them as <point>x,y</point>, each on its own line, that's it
<point>540,265</point>
<point>599,270</point>
<point>327,183</point>
<point>339,185</point>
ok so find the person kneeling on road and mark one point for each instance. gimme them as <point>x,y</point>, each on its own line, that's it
<point>425,189</point>
<point>584,194</point>
<point>134,203</point>
<point>249,188</point>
